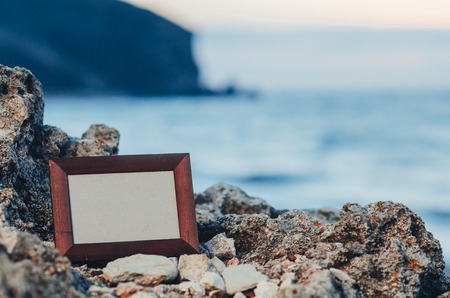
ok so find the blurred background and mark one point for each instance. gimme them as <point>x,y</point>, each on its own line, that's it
<point>305,104</point>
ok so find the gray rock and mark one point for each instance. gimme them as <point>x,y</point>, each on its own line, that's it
<point>103,292</point>
<point>192,267</point>
<point>240,278</point>
<point>76,147</point>
<point>382,249</point>
<point>146,270</point>
<point>218,265</point>
<point>328,215</point>
<point>143,294</point>
<point>266,289</point>
<point>25,147</point>
<point>222,199</point>
<point>191,289</point>
<point>126,289</point>
<point>324,283</point>
<point>104,133</point>
<point>291,291</point>
<point>220,246</point>
<point>31,268</point>
<point>212,281</point>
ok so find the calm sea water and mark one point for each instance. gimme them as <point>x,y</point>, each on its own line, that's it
<point>296,150</point>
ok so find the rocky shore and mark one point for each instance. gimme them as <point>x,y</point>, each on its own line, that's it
<point>248,249</point>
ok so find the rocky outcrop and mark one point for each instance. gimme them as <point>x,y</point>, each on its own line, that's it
<point>25,147</point>
<point>382,249</point>
<point>101,46</point>
<point>247,247</point>
<point>221,199</point>
<point>32,268</point>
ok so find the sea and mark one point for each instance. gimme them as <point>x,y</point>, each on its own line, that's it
<point>296,150</point>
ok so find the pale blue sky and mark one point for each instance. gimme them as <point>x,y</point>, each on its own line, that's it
<point>215,14</point>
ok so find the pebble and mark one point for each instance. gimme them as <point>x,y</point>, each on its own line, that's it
<point>146,270</point>
<point>192,267</point>
<point>212,281</point>
<point>220,246</point>
<point>266,289</point>
<point>240,278</point>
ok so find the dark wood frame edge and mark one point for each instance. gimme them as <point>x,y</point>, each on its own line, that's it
<point>179,163</point>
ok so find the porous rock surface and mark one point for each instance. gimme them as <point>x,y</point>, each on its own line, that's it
<point>32,268</point>
<point>382,249</point>
<point>26,145</point>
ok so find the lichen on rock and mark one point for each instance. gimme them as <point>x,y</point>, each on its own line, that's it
<point>382,249</point>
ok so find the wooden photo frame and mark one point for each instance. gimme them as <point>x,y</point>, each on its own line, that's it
<point>115,206</point>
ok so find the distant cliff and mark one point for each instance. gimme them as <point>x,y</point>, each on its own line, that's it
<point>97,46</point>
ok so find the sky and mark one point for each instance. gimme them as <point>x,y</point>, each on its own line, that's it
<point>316,44</point>
<point>214,14</point>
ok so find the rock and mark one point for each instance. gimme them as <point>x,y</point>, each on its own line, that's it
<point>146,270</point>
<point>240,278</point>
<point>192,267</point>
<point>76,147</point>
<point>328,215</point>
<point>25,146</point>
<point>171,291</point>
<point>266,289</point>
<point>222,199</point>
<point>24,185</point>
<point>31,268</point>
<point>98,291</point>
<point>143,294</point>
<point>382,249</point>
<point>219,266</point>
<point>259,238</point>
<point>191,289</point>
<point>220,246</point>
<point>212,281</point>
<point>292,291</point>
<point>126,289</point>
<point>324,283</point>
<point>104,133</point>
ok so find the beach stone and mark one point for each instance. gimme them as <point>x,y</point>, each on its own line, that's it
<point>32,268</point>
<point>222,199</point>
<point>220,246</point>
<point>146,270</point>
<point>240,278</point>
<point>266,289</point>
<point>191,289</point>
<point>212,281</point>
<point>219,266</point>
<point>104,133</point>
<point>291,291</point>
<point>192,267</point>
<point>103,292</point>
<point>126,289</point>
<point>144,294</point>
